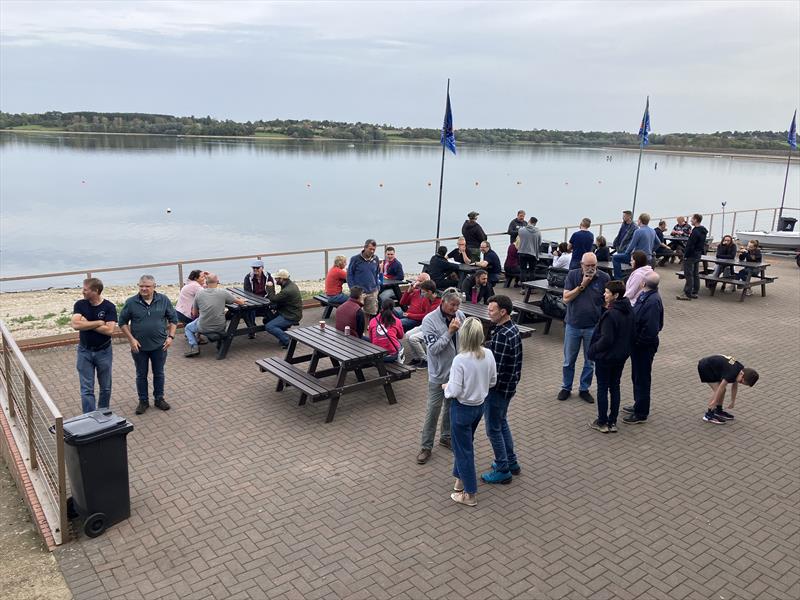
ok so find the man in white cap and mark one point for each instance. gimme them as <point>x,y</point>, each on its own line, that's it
<point>256,282</point>
<point>289,305</point>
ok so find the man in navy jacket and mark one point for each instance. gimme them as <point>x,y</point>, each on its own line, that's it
<point>362,271</point>
<point>648,315</point>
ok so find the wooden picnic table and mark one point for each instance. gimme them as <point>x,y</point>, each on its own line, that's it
<point>236,313</point>
<point>394,285</point>
<point>760,279</point>
<point>463,269</point>
<point>346,354</point>
<point>481,311</point>
<point>540,284</point>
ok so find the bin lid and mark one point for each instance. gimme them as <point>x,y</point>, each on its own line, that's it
<point>95,425</point>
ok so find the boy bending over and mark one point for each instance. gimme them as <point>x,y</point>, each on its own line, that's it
<point>718,371</point>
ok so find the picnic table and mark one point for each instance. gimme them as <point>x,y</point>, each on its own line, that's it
<point>236,313</point>
<point>540,284</point>
<point>394,285</point>
<point>481,311</point>
<point>759,279</point>
<point>346,353</point>
<point>463,268</point>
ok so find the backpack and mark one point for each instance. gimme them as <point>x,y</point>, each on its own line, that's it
<point>553,306</point>
<point>557,277</point>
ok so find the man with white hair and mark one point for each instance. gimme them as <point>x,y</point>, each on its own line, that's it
<point>289,305</point>
<point>149,320</point>
<point>208,312</point>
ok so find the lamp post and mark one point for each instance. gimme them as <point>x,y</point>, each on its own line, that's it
<point>723,220</point>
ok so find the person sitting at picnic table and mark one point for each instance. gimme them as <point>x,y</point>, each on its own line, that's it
<point>663,251</point>
<point>459,253</point>
<point>208,313</point>
<point>334,280</point>
<point>194,284</point>
<point>625,231</point>
<point>351,314</point>
<point>515,224</point>
<point>643,239</point>
<point>580,243</point>
<point>490,262</point>
<point>473,372</point>
<point>682,229</point>
<point>561,257</point>
<point>391,269</point>
<point>511,265</point>
<point>386,331</point>
<point>727,250</point>
<point>752,253</point>
<point>603,252</point>
<point>473,235</point>
<point>636,280</point>
<point>477,288</point>
<point>418,301</point>
<point>718,371</point>
<point>443,273</point>
<point>289,303</point>
<point>255,283</point>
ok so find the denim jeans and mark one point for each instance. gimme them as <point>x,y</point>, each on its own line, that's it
<point>641,376</point>
<point>572,343</point>
<point>495,410</point>
<point>691,273</point>
<point>409,324</point>
<point>608,378</point>
<point>191,332</point>
<point>277,326</point>
<point>619,259</point>
<point>435,401</point>
<point>338,298</point>
<point>142,359</point>
<point>89,363</point>
<point>464,421</point>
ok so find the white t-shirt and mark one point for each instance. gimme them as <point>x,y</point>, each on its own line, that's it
<point>471,378</point>
<point>562,262</point>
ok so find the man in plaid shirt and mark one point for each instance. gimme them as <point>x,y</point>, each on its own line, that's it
<point>506,345</point>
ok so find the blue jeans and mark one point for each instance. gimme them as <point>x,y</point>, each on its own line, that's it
<point>191,332</point>
<point>338,298</point>
<point>608,378</point>
<point>142,359</point>
<point>277,326</point>
<point>89,363</point>
<point>435,401</point>
<point>495,410</point>
<point>572,343</point>
<point>464,421</point>
<point>409,324</point>
<point>619,259</point>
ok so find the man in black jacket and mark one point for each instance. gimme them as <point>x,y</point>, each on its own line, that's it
<point>477,287</point>
<point>473,234</point>
<point>695,246</point>
<point>515,225</point>
<point>648,320</point>
<point>490,262</point>
<point>443,273</point>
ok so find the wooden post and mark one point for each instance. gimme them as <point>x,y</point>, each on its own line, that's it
<point>180,275</point>
<point>12,411</point>
<point>29,421</point>
<point>88,275</point>
<point>62,480</point>
<point>327,264</point>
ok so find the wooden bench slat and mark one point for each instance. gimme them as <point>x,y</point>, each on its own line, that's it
<point>305,382</point>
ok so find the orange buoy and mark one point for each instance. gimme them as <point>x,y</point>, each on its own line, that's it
<point>380,184</point>
<point>476,183</point>
<point>429,184</point>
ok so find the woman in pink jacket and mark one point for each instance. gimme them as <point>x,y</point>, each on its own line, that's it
<point>641,269</point>
<point>386,330</point>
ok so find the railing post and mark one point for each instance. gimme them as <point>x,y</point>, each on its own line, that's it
<point>88,275</point>
<point>62,480</point>
<point>774,218</point>
<point>733,223</point>
<point>601,230</point>
<point>180,275</point>
<point>755,218</point>
<point>12,411</point>
<point>29,421</point>
<point>711,225</point>
<point>327,266</point>
<point>566,233</point>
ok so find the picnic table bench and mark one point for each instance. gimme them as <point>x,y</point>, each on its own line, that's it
<point>760,279</point>
<point>462,268</point>
<point>388,284</point>
<point>346,353</point>
<point>236,312</point>
<point>481,311</point>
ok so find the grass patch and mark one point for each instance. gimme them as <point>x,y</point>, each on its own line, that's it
<point>49,316</point>
<point>309,295</point>
<point>63,321</point>
<point>25,319</point>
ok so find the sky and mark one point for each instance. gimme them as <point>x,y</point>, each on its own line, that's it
<point>707,66</point>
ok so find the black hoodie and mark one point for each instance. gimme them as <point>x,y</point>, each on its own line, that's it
<point>613,336</point>
<point>473,233</point>
<point>696,244</point>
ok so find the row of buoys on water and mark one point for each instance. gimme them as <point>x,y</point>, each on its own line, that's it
<point>477,183</point>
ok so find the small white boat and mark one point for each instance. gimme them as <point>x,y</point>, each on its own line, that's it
<point>779,240</point>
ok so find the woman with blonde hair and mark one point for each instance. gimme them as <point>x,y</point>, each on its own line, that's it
<point>472,374</point>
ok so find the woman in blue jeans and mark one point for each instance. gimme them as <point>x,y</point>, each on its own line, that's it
<point>472,374</point>
<point>609,349</point>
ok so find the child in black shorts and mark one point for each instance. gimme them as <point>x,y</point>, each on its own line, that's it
<point>718,371</point>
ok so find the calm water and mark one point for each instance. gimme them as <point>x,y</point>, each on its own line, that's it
<point>71,202</point>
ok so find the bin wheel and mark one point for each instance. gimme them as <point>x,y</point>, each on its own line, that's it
<point>95,525</point>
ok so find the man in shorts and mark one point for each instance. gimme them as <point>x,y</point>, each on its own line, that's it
<point>718,371</point>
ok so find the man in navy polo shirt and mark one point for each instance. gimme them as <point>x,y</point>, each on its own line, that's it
<point>95,318</point>
<point>583,294</point>
<point>580,243</point>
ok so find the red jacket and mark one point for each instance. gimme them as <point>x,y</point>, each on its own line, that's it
<point>418,305</point>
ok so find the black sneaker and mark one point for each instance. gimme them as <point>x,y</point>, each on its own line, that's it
<point>446,443</point>
<point>142,407</point>
<point>564,394</point>
<point>413,362</point>
<point>721,417</point>
<point>634,418</point>
<point>724,414</point>
<point>586,396</point>
<point>612,428</point>
<point>710,417</point>
<point>695,296</point>
<point>162,404</point>
<point>423,364</point>
<point>628,409</point>
<point>683,297</point>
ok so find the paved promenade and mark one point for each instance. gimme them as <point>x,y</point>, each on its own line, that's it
<point>237,492</point>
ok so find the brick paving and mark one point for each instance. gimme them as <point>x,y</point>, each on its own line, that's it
<point>237,492</point>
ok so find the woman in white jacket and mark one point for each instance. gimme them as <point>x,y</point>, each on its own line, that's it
<point>473,372</point>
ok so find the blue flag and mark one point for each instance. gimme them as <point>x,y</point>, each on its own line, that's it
<point>792,139</point>
<point>448,137</point>
<point>644,128</point>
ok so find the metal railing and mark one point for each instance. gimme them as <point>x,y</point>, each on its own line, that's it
<point>31,412</point>
<point>762,217</point>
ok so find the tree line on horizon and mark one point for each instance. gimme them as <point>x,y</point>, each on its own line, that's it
<point>144,123</point>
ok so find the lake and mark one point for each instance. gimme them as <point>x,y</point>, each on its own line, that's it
<point>87,201</point>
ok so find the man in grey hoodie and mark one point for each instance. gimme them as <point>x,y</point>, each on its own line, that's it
<point>440,332</point>
<point>529,241</point>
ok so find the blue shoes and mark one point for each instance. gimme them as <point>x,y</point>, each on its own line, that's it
<point>496,477</point>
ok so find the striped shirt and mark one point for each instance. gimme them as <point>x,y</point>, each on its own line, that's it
<point>506,345</point>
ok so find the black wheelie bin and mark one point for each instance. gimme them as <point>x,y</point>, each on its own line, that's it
<point>96,451</point>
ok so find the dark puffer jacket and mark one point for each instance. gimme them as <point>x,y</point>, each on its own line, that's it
<point>613,336</point>
<point>473,234</point>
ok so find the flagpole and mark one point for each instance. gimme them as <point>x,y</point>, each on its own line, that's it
<point>441,179</point>
<point>641,148</point>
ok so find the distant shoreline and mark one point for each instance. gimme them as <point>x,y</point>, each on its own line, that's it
<point>739,154</point>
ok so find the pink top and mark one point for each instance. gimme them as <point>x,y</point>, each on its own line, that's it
<point>386,337</point>
<point>186,297</point>
<point>634,286</point>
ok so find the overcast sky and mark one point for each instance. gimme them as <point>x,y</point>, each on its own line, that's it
<point>566,65</point>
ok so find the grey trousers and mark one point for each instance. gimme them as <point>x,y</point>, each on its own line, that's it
<point>436,402</point>
<point>415,346</point>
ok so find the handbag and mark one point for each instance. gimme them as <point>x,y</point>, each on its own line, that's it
<point>553,306</point>
<point>400,351</point>
<point>557,277</point>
